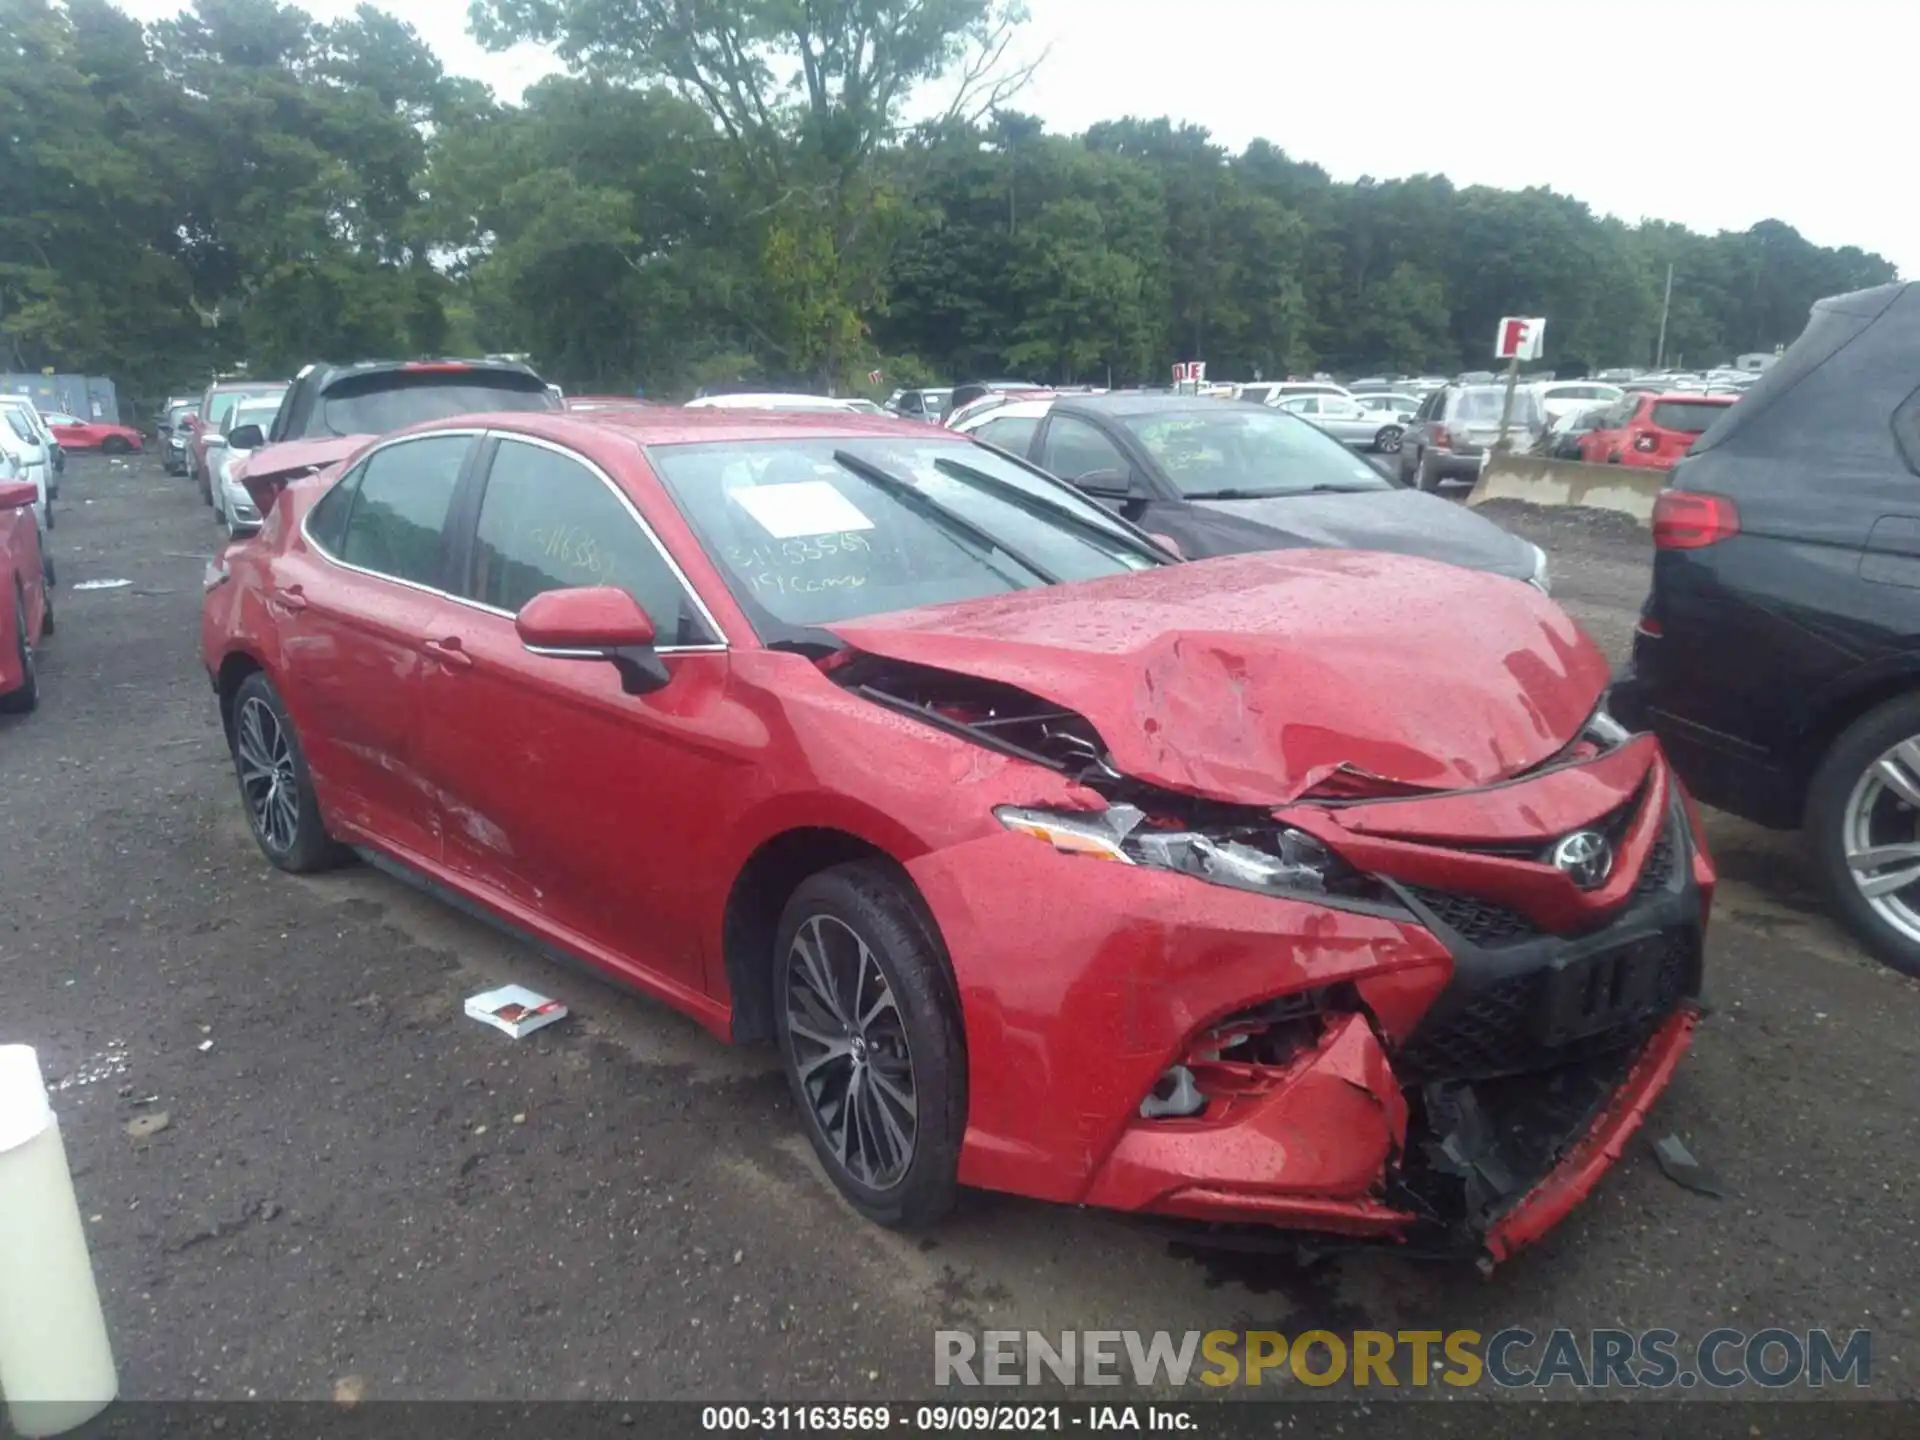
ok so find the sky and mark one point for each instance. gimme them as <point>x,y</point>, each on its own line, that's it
<point>1713,113</point>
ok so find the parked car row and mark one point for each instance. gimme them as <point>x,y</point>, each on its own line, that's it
<point>817,720</point>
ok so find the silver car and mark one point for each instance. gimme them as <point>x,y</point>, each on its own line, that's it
<point>1455,427</point>
<point>1353,421</point>
<point>233,508</point>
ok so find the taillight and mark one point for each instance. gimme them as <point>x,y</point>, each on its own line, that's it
<point>1689,520</point>
<point>443,367</point>
<point>1646,443</point>
<point>1442,439</point>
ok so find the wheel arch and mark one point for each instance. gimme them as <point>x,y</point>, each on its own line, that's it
<point>232,674</point>
<point>1828,717</point>
<point>759,894</point>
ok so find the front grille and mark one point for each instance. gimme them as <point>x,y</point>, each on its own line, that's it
<point>1507,1026</point>
<point>1480,921</point>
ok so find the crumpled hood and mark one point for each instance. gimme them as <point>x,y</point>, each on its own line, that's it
<point>264,472</point>
<point>1251,678</point>
<point>1404,522</point>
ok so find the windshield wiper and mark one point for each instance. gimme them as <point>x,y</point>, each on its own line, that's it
<point>1034,505</point>
<point>910,495</point>
<point>1236,494</point>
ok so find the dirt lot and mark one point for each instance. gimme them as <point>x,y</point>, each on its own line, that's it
<point>357,1187</point>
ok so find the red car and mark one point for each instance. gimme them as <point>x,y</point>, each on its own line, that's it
<point>73,433</point>
<point>26,609</point>
<point>1256,890</point>
<point>1652,431</point>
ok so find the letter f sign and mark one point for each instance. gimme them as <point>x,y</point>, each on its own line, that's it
<point>1519,338</point>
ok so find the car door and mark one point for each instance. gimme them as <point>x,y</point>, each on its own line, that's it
<point>571,805</point>
<point>357,602</point>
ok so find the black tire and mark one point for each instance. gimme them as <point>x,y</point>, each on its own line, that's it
<point>24,697</point>
<point>1840,769</point>
<point>1424,476</point>
<point>302,845</point>
<point>48,507</point>
<point>866,901</point>
<point>114,445</point>
<point>1387,442</point>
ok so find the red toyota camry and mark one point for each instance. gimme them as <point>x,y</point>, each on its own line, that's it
<point>26,610</point>
<point>1254,891</point>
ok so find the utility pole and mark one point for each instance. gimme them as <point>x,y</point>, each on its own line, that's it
<point>1506,408</point>
<point>1660,356</point>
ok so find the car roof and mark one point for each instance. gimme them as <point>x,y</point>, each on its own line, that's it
<point>1122,405</point>
<point>329,374</point>
<point>1014,410</point>
<point>678,425</point>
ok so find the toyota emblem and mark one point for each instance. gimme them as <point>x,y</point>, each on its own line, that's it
<point>1585,858</point>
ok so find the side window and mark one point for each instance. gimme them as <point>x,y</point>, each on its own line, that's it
<point>327,521</point>
<point>912,404</point>
<point>1012,432</point>
<point>1074,449</point>
<point>547,522</point>
<point>400,511</point>
<point>1430,407</point>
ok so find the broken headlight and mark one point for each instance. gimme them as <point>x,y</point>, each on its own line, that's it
<point>1268,860</point>
<point>1541,579</point>
<point>1603,730</point>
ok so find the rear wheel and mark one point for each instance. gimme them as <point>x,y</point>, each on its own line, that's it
<point>1863,822</point>
<point>1424,475</point>
<point>1387,442</point>
<point>870,1038</point>
<point>114,445</point>
<point>275,784</point>
<point>26,695</point>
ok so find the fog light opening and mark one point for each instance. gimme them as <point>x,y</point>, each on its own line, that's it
<point>1175,1095</point>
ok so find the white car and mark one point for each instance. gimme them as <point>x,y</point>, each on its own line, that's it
<point>1364,427</point>
<point>28,459</point>
<point>1272,392</point>
<point>785,403</point>
<point>1008,425</point>
<point>37,423</point>
<point>233,508</point>
<point>1570,397</point>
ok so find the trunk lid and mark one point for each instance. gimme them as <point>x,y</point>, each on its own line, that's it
<point>268,470</point>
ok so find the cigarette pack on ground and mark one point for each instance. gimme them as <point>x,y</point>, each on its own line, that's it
<point>515,1009</point>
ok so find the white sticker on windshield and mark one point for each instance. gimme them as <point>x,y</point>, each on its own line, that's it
<point>809,507</point>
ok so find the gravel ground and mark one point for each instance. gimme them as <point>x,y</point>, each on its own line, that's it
<point>306,1175</point>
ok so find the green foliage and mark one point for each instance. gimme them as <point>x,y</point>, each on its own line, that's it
<point>727,191</point>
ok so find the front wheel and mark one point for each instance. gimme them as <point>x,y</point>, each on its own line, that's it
<point>114,445</point>
<point>870,1038</point>
<point>275,784</point>
<point>1863,823</point>
<point>1387,442</point>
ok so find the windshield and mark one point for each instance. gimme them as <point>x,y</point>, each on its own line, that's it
<point>1482,404</point>
<point>220,404</point>
<point>254,412</point>
<point>1688,417</point>
<point>394,399</point>
<point>808,531</point>
<point>1229,452</point>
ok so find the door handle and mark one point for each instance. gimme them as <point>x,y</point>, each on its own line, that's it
<point>289,597</point>
<point>450,653</point>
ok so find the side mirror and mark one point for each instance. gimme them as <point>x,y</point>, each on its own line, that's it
<point>242,437</point>
<point>595,622</point>
<point>216,442</point>
<point>18,494</point>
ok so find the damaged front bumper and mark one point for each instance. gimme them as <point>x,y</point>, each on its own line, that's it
<point>1445,1073</point>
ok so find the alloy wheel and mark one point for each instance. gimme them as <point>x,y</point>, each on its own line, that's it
<point>850,1050</point>
<point>1880,833</point>
<point>267,779</point>
<point>1388,440</point>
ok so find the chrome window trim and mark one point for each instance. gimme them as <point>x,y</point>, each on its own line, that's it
<point>719,647</point>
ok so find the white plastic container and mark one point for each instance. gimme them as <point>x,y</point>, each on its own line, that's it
<point>56,1364</point>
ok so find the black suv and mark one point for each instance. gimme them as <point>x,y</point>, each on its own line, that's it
<point>379,396</point>
<point>1778,654</point>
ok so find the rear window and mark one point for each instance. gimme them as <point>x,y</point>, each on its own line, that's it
<point>394,399</point>
<point>1689,418</point>
<point>1833,325</point>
